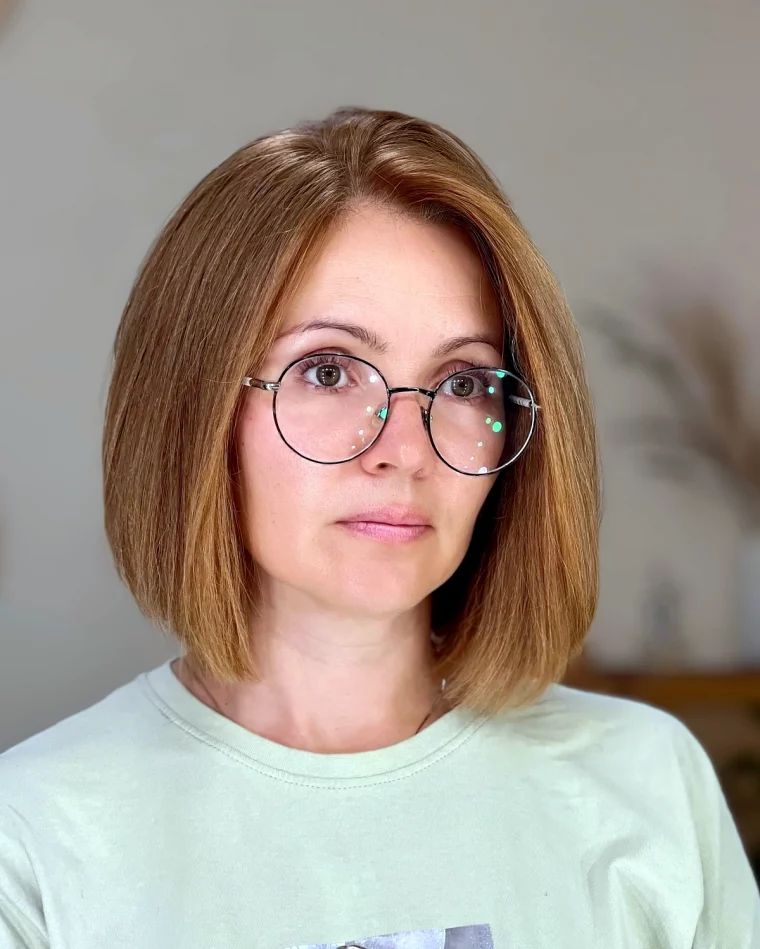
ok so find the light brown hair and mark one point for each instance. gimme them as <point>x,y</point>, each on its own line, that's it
<point>204,311</point>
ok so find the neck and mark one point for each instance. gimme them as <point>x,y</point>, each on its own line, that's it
<point>332,683</point>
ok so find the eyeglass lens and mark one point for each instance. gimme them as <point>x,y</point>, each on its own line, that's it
<point>330,408</point>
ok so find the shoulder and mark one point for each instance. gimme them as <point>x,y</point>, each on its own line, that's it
<point>563,713</point>
<point>614,742</point>
<point>643,731</point>
<point>87,749</point>
<point>635,774</point>
<point>64,784</point>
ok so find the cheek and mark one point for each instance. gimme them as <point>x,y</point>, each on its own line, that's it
<point>463,500</point>
<point>464,497</point>
<point>281,491</point>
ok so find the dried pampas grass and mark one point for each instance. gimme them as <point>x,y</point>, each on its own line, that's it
<point>697,356</point>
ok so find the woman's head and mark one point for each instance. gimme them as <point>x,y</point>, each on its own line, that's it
<point>382,239</point>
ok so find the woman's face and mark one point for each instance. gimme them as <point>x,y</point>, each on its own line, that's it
<point>313,528</point>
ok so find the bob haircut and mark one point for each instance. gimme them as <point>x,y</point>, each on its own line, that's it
<point>204,311</point>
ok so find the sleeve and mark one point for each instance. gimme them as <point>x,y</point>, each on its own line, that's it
<point>21,917</point>
<point>730,917</point>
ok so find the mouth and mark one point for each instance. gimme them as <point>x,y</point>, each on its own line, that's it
<point>394,525</point>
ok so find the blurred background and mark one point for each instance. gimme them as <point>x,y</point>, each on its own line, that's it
<point>626,135</point>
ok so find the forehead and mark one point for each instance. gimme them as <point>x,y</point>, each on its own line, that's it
<point>399,275</point>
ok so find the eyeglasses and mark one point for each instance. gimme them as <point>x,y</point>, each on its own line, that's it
<point>330,408</point>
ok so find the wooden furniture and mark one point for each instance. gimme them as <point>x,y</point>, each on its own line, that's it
<point>672,691</point>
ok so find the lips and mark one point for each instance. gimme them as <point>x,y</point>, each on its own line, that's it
<point>389,524</point>
<point>391,516</point>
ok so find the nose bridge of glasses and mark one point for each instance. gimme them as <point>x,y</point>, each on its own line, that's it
<point>428,393</point>
<point>417,391</point>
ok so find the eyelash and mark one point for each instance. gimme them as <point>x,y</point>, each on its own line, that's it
<point>466,367</point>
<point>310,362</point>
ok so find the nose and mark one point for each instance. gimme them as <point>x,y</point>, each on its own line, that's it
<point>403,443</point>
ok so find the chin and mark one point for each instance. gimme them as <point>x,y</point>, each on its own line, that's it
<point>374,588</point>
<point>362,577</point>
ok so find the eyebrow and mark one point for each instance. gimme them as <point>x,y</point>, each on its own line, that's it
<point>371,339</point>
<point>368,337</point>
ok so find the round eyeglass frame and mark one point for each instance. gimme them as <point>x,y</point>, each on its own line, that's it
<point>274,387</point>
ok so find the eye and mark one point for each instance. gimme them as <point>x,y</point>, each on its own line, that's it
<point>463,385</point>
<point>326,372</point>
<point>326,375</point>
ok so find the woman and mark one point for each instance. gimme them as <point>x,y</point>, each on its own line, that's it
<point>349,463</point>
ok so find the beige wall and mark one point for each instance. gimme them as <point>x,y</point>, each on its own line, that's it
<point>625,133</point>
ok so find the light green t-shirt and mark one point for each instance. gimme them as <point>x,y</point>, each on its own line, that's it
<point>584,822</point>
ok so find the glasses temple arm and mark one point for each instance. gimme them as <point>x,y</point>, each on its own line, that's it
<point>260,384</point>
<point>526,403</point>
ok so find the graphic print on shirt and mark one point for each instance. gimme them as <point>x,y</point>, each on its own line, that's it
<point>458,937</point>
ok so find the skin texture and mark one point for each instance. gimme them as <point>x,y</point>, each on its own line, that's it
<point>343,635</point>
